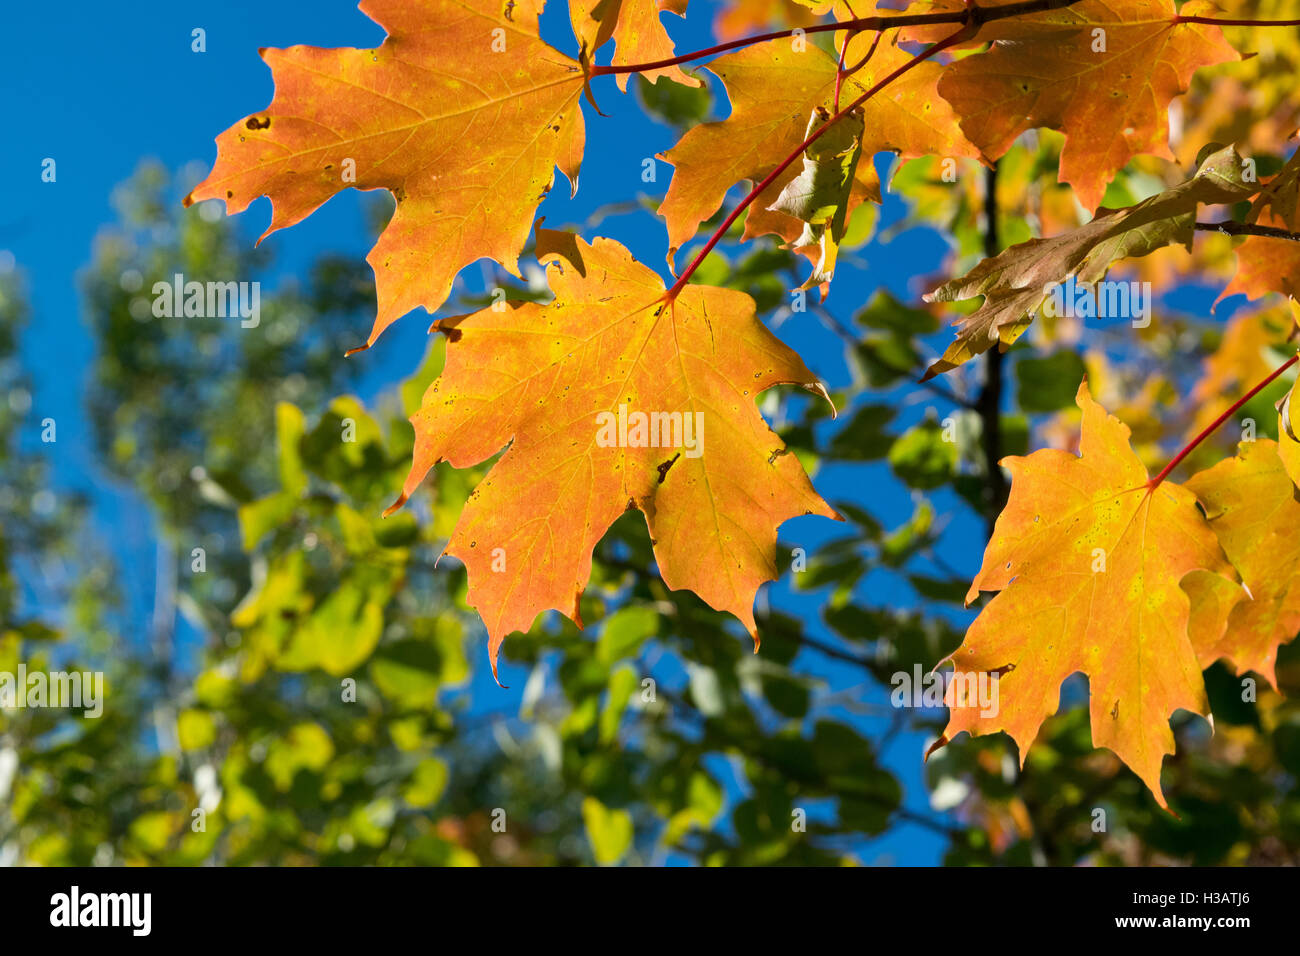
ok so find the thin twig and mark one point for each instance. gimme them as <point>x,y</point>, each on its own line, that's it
<point>1214,425</point>
<point>972,15</point>
<point>1231,228</point>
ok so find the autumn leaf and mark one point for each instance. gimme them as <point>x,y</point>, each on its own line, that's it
<point>1266,264</point>
<point>1288,446</point>
<point>1017,282</point>
<point>1087,563</point>
<point>1279,200</point>
<point>739,18</point>
<point>1251,505</point>
<point>462,113</point>
<point>639,35</point>
<point>585,392</point>
<point>819,195</point>
<point>1103,72</point>
<point>774,87</point>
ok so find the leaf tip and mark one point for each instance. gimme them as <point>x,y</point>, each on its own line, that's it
<point>494,651</point>
<point>819,388</point>
<point>940,742</point>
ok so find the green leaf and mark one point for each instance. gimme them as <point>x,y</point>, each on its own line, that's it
<point>1049,384</point>
<point>305,747</point>
<point>195,729</point>
<point>625,631</point>
<point>609,831</point>
<point>674,103</point>
<point>622,684</point>
<point>865,437</point>
<point>407,672</point>
<point>428,781</point>
<point>819,195</point>
<point>922,458</point>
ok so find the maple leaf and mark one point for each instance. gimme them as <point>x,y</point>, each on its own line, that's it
<point>1019,280</point>
<point>1279,200</point>
<point>774,87</point>
<point>400,117</point>
<point>1266,264</point>
<point>1251,504</point>
<point>1087,562</point>
<point>578,390</point>
<point>740,18</point>
<point>639,35</point>
<point>1103,72</point>
<point>1288,446</point>
<point>819,195</point>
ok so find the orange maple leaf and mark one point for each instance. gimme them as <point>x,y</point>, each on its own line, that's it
<point>774,88</point>
<point>1101,71</point>
<point>612,398</point>
<point>639,35</point>
<point>1266,264</point>
<point>1087,561</point>
<point>399,117</point>
<point>1251,505</point>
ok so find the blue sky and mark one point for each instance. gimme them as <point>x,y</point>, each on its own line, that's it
<point>106,85</point>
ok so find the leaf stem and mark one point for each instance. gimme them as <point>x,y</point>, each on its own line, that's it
<point>771,177</point>
<point>1224,22</point>
<point>839,67</point>
<point>1214,425</point>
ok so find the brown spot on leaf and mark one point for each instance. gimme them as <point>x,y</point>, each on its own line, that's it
<point>663,469</point>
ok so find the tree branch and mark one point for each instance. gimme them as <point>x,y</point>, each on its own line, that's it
<point>972,16</point>
<point>989,403</point>
<point>1231,228</point>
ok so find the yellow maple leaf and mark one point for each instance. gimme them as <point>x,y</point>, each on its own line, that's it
<point>612,398</point>
<point>639,35</point>
<point>1251,505</point>
<point>1087,560</point>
